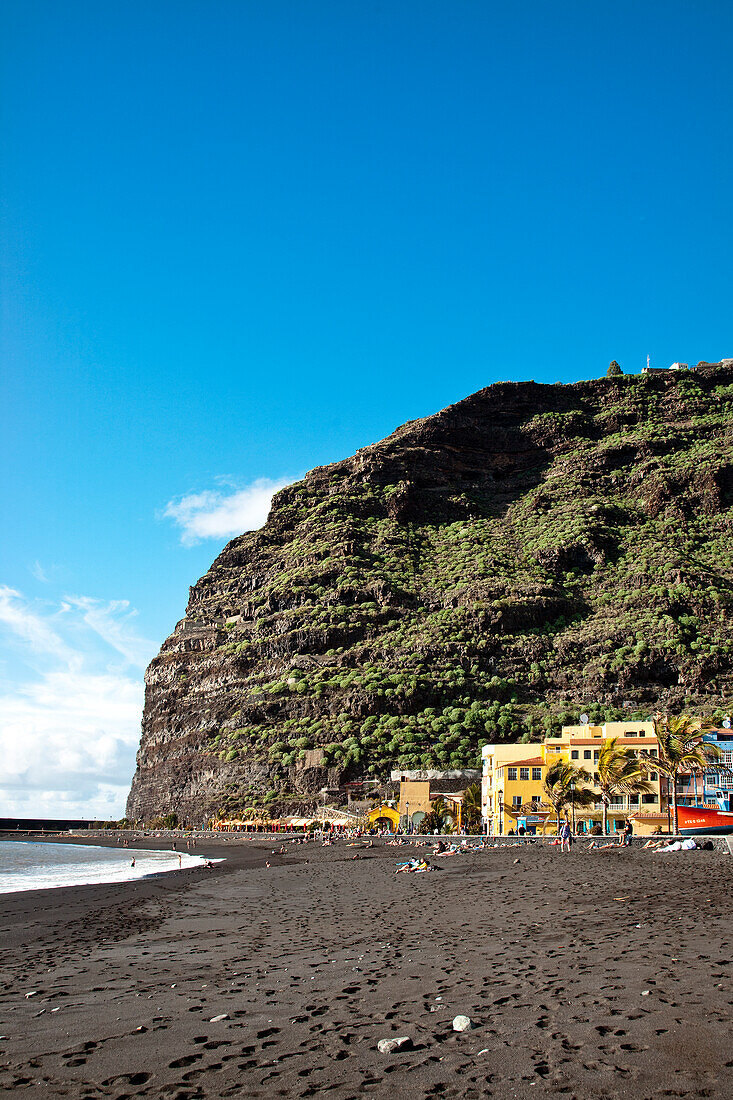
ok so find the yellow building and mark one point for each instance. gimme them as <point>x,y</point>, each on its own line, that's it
<point>417,798</point>
<point>495,759</point>
<point>414,800</point>
<point>513,778</point>
<point>384,817</point>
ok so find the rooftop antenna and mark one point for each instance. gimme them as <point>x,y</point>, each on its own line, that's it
<point>647,362</point>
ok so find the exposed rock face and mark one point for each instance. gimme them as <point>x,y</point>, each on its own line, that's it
<point>482,573</point>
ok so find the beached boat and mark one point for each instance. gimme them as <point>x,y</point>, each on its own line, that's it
<point>713,817</point>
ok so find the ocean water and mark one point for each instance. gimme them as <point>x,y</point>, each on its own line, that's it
<point>34,865</point>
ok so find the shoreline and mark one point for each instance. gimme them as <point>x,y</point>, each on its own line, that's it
<point>114,870</point>
<point>46,896</point>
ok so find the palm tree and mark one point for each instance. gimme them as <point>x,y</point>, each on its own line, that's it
<point>472,808</point>
<point>619,772</point>
<point>563,785</point>
<point>681,748</point>
<point>435,820</point>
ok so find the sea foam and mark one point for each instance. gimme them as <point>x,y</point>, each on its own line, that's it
<point>33,865</point>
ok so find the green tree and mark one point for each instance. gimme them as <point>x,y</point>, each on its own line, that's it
<point>564,785</point>
<point>619,772</point>
<point>435,821</point>
<point>614,370</point>
<point>681,749</point>
<point>472,808</point>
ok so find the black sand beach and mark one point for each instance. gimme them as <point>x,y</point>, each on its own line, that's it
<point>599,974</point>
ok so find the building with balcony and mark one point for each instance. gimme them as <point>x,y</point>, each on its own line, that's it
<point>701,788</point>
<point>513,778</point>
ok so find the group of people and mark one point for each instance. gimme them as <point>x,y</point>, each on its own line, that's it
<point>689,844</point>
<point>413,866</point>
<point>565,837</point>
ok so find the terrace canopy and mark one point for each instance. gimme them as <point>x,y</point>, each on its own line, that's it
<point>249,825</point>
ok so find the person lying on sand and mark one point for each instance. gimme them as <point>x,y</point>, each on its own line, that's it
<point>686,845</point>
<point>597,847</point>
<point>413,865</point>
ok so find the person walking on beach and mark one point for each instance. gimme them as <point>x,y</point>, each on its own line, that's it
<point>565,835</point>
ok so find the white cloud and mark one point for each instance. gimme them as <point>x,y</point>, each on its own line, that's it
<point>70,716</point>
<point>113,623</point>
<point>39,572</point>
<point>215,514</point>
<point>33,629</point>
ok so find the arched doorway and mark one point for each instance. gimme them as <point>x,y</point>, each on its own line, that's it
<point>384,817</point>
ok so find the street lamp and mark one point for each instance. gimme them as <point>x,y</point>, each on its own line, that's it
<point>324,792</point>
<point>407,815</point>
<point>572,799</point>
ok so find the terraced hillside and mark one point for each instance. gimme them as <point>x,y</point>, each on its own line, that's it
<point>483,573</point>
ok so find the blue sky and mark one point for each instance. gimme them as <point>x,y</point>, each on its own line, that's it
<point>244,239</point>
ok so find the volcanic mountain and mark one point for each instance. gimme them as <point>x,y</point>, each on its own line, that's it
<point>484,573</point>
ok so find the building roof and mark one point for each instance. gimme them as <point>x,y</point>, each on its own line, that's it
<point>599,741</point>
<point>652,816</point>
<point>536,761</point>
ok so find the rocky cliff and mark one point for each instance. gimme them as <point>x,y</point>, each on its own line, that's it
<point>484,573</point>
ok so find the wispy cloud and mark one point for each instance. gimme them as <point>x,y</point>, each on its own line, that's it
<point>29,627</point>
<point>39,572</point>
<point>216,514</point>
<point>114,623</point>
<point>70,715</point>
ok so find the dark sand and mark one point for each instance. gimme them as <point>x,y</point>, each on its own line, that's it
<point>314,963</point>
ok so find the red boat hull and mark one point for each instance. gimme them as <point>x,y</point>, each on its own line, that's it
<point>698,820</point>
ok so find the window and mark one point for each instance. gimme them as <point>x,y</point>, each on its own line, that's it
<point>596,754</point>
<point>586,754</point>
<point>648,799</point>
<point>536,775</point>
<point>642,733</point>
<point>652,752</point>
<point>516,801</point>
<point>574,755</point>
<point>653,777</point>
<point>511,774</point>
<point>631,734</point>
<point>524,773</point>
<point>595,776</point>
<point>633,800</point>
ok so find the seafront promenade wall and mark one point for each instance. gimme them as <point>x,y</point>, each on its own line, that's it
<point>720,843</point>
